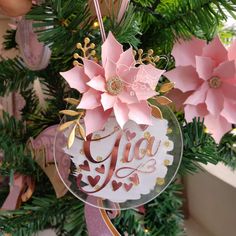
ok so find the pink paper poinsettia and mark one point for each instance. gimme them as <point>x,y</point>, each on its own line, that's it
<point>117,85</point>
<point>205,77</point>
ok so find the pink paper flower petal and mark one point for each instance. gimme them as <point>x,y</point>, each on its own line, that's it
<point>229,91</point>
<point>149,74</point>
<point>140,113</point>
<point>90,100</point>
<point>128,97</point>
<point>111,50</point>
<point>143,91</point>
<point>217,126</point>
<point>232,52</point>
<point>204,66</point>
<point>229,112</point>
<point>216,51</point>
<point>110,70</point>
<point>126,60</point>
<point>195,111</point>
<point>76,78</point>
<point>121,113</point>
<point>98,83</point>
<point>225,70</point>
<point>199,96</point>
<point>129,75</point>
<point>95,119</point>
<point>214,101</point>
<point>185,52</point>
<point>92,69</point>
<point>185,78</point>
<point>108,101</point>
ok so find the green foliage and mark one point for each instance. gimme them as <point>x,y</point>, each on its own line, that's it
<point>227,149</point>
<point>65,215</point>
<point>155,24</point>
<point>199,147</point>
<point>166,21</point>
<point>13,146</point>
<point>163,216</point>
<point>9,40</point>
<point>14,76</point>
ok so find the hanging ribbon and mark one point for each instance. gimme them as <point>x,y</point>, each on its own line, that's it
<point>98,220</point>
<point>123,8</point>
<point>99,16</point>
<point>21,190</point>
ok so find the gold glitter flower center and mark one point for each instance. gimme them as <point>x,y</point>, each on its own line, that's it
<point>215,82</point>
<point>114,86</point>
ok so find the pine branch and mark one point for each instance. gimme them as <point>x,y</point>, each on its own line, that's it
<point>199,147</point>
<point>176,19</point>
<point>14,76</point>
<point>13,145</point>
<point>65,215</point>
<point>10,40</point>
<point>227,149</point>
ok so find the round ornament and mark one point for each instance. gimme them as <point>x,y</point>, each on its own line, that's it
<point>15,8</point>
<point>124,168</point>
<point>35,54</point>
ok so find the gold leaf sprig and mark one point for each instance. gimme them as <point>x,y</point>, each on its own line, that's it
<point>87,50</point>
<point>146,58</point>
<point>77,128</point>
<point>161,99</point>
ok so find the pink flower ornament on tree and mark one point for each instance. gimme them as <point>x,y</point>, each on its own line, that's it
<point>205,79</point>
<point>117,85</point>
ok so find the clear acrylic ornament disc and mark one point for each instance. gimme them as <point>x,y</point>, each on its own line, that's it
<point>123,168</point>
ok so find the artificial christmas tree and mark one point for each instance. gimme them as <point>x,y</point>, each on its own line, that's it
<point>28,143</point>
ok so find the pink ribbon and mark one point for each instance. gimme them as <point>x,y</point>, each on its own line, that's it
<point>98,221</point>
<point>123,8</point>
<point>99,16</point>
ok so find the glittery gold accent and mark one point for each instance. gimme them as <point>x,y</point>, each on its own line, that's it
<point>167,143</point>
<point>162,100</point>
<point>97,136</point>
<point>87,52</point>
<point>81,151</point>
<point>166,162</point>
<point>215,82</point>
<point>79,170</point>
<point>169,131</point>
<point>147,58</point>
<point>95,24</point>
<point>114,85</point>
<point>147,135</point>
<point>165,88</point>
<point>97,187</point>
<point>99,158</point>
<point>160,181</point>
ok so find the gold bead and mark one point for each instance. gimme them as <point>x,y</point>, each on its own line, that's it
<point>92,46</point>
<point>140,51</point>
<point>79,45</point>
<point>150,52</point>
<point>76,56</point>
<point>160,181</point>
<point>93,53</point>
<point>76,63</point>
<point>166,162</point>
<point>86,40</point>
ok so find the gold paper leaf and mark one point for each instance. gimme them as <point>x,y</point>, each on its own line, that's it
<point>81,131</point>
<point>71,137</point>
<point>65,125</point>
<point>70,112</point>
<point>163,100</point>
<point>156,112</point>
<point>72,101</point>
<point>167,87</point>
